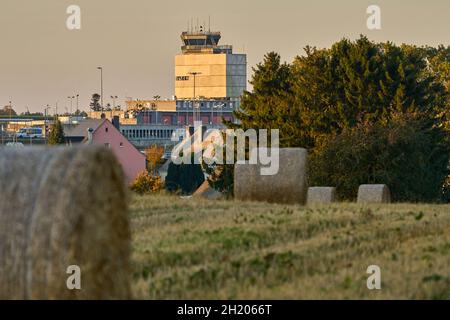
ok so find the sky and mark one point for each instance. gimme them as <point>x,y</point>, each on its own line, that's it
<point>42,62</point>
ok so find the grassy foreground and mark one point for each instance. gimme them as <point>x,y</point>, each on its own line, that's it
<point>199,249</point>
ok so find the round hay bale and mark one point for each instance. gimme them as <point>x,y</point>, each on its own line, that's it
<point>289,185</point>
<point>321,195</point>
<point>61,207</point>
<point>374,193</point>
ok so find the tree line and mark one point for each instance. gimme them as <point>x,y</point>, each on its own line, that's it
<point>367,112</point>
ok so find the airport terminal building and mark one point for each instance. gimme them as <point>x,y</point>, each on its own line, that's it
<point>209,81</point>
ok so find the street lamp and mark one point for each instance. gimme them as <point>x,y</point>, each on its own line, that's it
<point>78,96</point>
<point>45,120</point>
<point>56,110</point>
<point>101,85</point>
<point>114,105</point>
<point>71,104</point>
<point>114,101</point>
<point>10,110</point>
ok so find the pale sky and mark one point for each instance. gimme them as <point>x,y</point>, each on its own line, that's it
<point>135,41</point>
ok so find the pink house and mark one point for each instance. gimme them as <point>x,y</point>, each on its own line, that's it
<point>103,132</point>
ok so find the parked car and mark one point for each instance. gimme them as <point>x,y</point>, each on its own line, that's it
<point>30,133</point>
<point>15,144</point>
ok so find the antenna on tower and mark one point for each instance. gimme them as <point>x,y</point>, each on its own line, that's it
<point>209,23</point>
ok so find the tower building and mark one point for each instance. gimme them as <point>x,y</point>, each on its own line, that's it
<point>206,70</point>
<point>209,81</point>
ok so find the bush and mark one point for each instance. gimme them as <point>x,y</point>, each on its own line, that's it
<point>154,156</point>
<point>221,178</point>
<point>56,135</point>
<point>406,153</point>
<point>146,184</point>
<point>185,178</point>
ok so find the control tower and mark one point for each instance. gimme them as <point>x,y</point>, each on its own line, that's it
<point>204,69</point>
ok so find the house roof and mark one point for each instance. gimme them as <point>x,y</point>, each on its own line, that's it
<point>81,129</point>
<point>79,133</point>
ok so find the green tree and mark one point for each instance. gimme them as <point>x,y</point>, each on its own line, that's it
<point>362,81</point>
<point>95,102</point>
<point>269,105</point>
<point>439,62</point>
<point>184,178</point>
<point>331,94</point>
<point>404,153</point>
<point>8,111</point>
<point>56,135</point>
<point>327,90</point>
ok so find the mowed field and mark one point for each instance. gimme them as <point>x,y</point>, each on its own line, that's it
<point>199,249</point>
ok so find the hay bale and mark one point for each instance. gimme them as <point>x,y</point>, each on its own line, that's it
<point>374,193</point>
<point>289,185</point>
<point>62,207</point>
<point>205,191</point>
<point>321,195</point>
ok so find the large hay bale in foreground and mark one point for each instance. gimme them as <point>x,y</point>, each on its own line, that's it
<point>289,185</point>
<point>321,195</point>
<point>62,207</point>
<point>374,193</point>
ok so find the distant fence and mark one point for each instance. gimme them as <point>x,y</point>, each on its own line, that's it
<point>25,141</point>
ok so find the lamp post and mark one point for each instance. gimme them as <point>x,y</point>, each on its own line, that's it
<point>194,104</point>
<point>114,105</point>
<point>10,110</point>
<point>114,101</point>
<point>45,121</point>
<point>78,96</point>
<point>101,85</point>
<point>71,104</point>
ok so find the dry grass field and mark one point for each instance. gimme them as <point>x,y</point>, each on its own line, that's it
<point>199,249</point>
